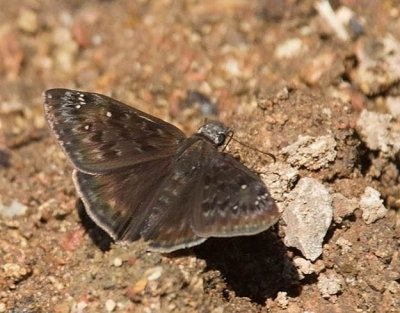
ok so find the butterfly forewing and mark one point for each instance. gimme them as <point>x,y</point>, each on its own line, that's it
<point>100,134</point>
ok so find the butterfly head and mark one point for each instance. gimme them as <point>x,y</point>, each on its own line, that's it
<point>214,131</point>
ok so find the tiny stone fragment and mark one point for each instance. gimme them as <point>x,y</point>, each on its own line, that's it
<point>28,21</point>
<point>117,262</point>
<point>110,305</point>
<point>312,153</point>
<point>344,244</point>
<point>303,266</point>
<point>282,299</point>
<point>372,206</point>
<point>329,284</point>
<point>393,105</point>
<point>78,307</point>
<point>15,271</point>
<point>289,48</point>
<point>154,273</point>
<point>140,285</point>
<point>15,209</point>
<point>308,216</point>
<point>379,64</point>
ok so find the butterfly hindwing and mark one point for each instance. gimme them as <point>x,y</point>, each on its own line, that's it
<point>234,201</point>
<point>169,223</point>
<point>100,134</point>
<point>117,201</point>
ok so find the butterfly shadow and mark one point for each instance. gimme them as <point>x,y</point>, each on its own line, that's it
<point>256,267</point>
<point>99,237</point>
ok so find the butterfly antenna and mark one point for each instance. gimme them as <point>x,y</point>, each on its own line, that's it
<point>250,147</point>
<point>229,138</point>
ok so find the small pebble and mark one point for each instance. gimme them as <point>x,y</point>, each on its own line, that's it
<point>15,209</point>
<point>379,132</point>
<point>372,206</point>
<point>110,305</point>
<point>282,299</point>
<point>329,285</point>
<point>304,266</point>
<point>344,244</point>
<point>2,307</point>
<point>28,21</point>
<point>140,285</point>
<point>117,262</point>
<point>289,48</point>
<point>154,273</point>
<point>312,153</point>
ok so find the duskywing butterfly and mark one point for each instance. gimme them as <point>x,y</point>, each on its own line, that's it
<point>139,176</point>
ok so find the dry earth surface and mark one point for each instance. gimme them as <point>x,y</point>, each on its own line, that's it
<point>312,82</point>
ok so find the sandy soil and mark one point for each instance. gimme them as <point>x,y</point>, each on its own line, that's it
<point>274,70</point>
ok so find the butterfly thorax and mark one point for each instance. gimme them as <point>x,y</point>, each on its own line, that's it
<point>214,131</point>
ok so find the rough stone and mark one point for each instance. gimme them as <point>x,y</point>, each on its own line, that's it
<point>378,132</point>
<point>377,55</point>
<point>312,153</point>
<point>329,284</point>
<point>372,206</point>
<point>308,217</point>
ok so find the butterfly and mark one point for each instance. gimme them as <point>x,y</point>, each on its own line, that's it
<point>141,177</point>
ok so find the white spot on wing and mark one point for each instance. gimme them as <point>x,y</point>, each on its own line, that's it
<point>108,114</point>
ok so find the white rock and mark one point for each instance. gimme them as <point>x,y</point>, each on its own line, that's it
<point>282,299</point>
<point>308,216</point>
<point>329,285</point>
<point>15,209</point>
<point>117,262</point>
<point>372,206</point>
<point>110,305</point>
<point>304,266</point>
<point>154,273</point>
<point>393,104</point>
<point>289,48</point>
<point>311,152</point>
<point>344,244</point>
<point>379,133</point>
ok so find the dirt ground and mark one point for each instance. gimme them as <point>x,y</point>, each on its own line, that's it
<point>272,71</point>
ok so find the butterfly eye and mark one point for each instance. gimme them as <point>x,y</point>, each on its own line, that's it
<point>221,139</point>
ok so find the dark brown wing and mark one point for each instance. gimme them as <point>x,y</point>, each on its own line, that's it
<point>100,134</point>
<point>169,224</point>
<point>118,202</point>
<point>234,201</point>
<point>152,199</point>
